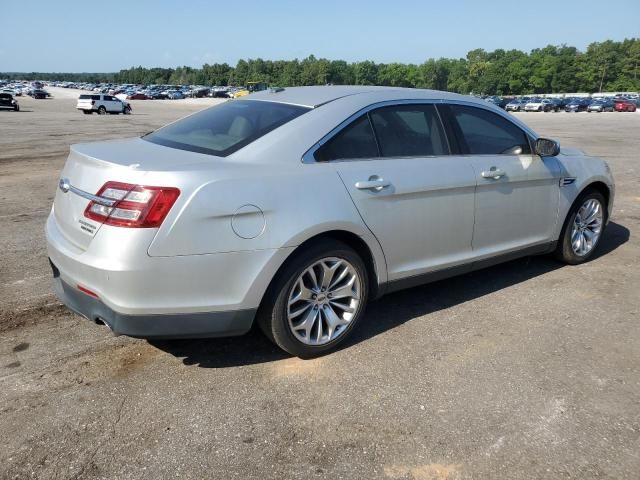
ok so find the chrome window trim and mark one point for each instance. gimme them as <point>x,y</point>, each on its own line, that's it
<point>497,111</point>
<point>530,134</point>
<point>308,156</point>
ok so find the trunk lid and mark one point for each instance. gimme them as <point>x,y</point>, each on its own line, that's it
<point>90,166</point>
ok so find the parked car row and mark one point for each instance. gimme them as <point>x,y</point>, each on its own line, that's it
<point>571,104</point>
<point>160,92</point>
<point>164,92</point>
<point>17,89</point>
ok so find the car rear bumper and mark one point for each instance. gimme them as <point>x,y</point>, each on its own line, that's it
<point>172,297</point>
<point>188,325</point>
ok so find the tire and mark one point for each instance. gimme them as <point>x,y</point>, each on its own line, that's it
<point>278,316</point>
<point>565,251</point>
<point>87,112</point>
<point>127,111</point>
<point>17,108</point>
<point>102,111</point>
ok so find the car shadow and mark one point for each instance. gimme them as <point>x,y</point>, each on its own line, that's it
<point>389,312</point>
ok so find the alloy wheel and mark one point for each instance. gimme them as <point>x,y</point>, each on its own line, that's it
<point>587,227</point>
<point>324,300</point>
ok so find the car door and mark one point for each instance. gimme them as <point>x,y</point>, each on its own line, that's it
<point>109,103</point>
<point>516,203</point>
<point>414,196</point>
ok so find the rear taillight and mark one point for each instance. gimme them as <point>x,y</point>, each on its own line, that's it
<point>135,206</point>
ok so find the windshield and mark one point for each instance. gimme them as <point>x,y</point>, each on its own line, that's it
<point>226,128</point>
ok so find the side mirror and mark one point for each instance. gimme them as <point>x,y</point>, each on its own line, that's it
<point>547,148</point>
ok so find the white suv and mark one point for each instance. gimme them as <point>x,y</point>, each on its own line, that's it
<point>102,104</point>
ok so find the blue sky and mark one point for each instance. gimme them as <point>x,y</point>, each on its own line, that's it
<point>70,35</point>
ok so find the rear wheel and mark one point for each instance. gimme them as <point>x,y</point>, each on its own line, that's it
<point>582,228</point>
<point>316,300</point>
<point>102,111</point>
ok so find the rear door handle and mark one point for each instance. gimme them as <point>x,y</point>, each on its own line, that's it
<point>493,173</point>
<point>374,183</point>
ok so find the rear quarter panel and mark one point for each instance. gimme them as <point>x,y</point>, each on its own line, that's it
<point>287,205</point>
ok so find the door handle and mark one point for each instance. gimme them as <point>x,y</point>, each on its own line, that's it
<point>374,183</point>
<point>493,173</point>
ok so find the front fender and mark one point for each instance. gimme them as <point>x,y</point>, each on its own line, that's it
<point>584,171</point>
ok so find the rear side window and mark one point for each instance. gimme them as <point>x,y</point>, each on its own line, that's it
<point>486,133</point>
<point>226,128</point>
<point>354,141</point>
<point>409,131</point>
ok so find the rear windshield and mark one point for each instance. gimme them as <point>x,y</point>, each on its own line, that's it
<point>89,97</point>
<point>226,128</point>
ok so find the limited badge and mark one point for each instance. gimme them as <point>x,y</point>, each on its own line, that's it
<point>87,227</point>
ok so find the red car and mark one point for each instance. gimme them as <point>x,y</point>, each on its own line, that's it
<point>137,96</point>
<point>625,106</point>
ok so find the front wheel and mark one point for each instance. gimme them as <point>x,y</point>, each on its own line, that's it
<point>316,300</point>
<point>582,229</point>
<point>16,108</point>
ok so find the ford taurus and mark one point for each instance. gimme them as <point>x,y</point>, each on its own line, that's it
<point>292,208</point>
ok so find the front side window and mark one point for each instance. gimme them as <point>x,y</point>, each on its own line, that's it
<point>486,133</point>
<point>354,141</point>
<point>409,131</point>
<point>226,128</point>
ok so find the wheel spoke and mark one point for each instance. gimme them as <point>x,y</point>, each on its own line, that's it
<point>333,320</point>
<point>345,291</point>
<point>343,307</point>
<point>580,243</point>
<point>339,278</point>
<point>319,330</point>
<point>299,311</point>
<point>328,272</point>
<point>313,277</point>
<point>307,324</point>
<point>303,293</point>
<point>593,212</point>
<point>574,235</point>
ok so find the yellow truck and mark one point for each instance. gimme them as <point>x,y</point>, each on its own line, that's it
<point>251,87</point>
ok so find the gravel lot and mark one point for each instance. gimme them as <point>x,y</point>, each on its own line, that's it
<point>525,370</point>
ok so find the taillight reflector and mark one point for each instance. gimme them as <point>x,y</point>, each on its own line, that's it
<point>87,291</point>
<point>135,206</point>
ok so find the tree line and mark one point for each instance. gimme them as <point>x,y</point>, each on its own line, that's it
<point>603,66</point>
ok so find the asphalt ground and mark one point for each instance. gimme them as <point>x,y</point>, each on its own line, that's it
<point>526,370</point>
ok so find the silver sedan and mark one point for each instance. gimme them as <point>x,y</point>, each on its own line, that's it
<point>294,207</point>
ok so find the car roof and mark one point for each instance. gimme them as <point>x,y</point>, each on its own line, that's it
<point>316,96</point>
